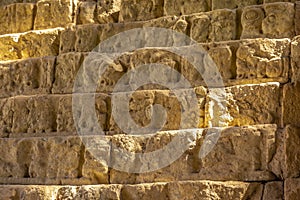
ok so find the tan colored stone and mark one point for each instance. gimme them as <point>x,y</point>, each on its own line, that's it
<point>241,153</point>
<point>181,7</point>
<point>41,43</point>
<point>251,20</point>
<point>244,105</point>
<point>51,14</point>
<point>205,190</point>
<point>291,108</point>
<point>273,191</point>
<point>295,60</point>
<point>7,2</point>
<point>297,18</point>
<point>67,40</point>
<point>263,58</point>
<point>86,12</point>
<point>218,25</point>
<point>232,4</point>
<point>279,21</point>
<point>26,192</point>
<point>292,189</point>
<point>108,11</point>
<point>292,152</point>
<point>142,10</point>
<point>145,191</point>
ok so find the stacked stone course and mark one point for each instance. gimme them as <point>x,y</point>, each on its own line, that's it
<point>255,45</point>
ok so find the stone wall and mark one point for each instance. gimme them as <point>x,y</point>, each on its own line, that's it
<point>256,48</point>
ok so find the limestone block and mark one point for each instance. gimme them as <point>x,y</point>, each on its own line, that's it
<point>35,114</point>
<point>190,190</point>
<point>141,110</point>
<point>273,190</point>
<point>291,189</point>
<point>52,13</point>
<point>108,11</point>
<point>233,4</point>
<point>273,1</point>
<point>241,153</point>
<point>218,25</point>
<point>41,43</point>
<point>291,108</point>
<point>145,191</point>
<point>181,7</point>
<point>274,20</point>
<point>141,10</point>
<point>67,40</point>
<point>67,66</point>
<point>86,12</point>
<point>295,60</point>
<point>6,115</point>
<point>263,58</point>
<point>96,159</point>
<point>251,20</point>
<point>29,76</point>
<point>27,192</point>
<point>292,152</point>
<point>244,105</point>
<point>7,2</point>
<point>279,21</point>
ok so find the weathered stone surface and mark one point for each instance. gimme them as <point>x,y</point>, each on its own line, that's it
<point>214,190</point>
<point>51,14</point>
<point>297,18</point>
<point>6,115</point>
<point>218,25</point>
<point>263,58</point>
<point>16,18</point>
<point>142,10</point>
<point>25,77</point>
<point>41,43</point>
<point>295,60</point>
<point>273,190</point>
<point>233,4</point>
<point>108,11</point>
<point>292,189</point>
<point>292,152</point>
<point>141,110</point>
<point>244,105</point>
<point>86,12</point>
<point>275,20</point>
<point>181,7</point>
<point>145,191</point>
<point>40,157</point>
<point>7,2</point>
<point>291,108</point>
<point>241,153</point>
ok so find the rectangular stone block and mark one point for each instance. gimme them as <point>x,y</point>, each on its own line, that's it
<point>181,7</point>
<point>42,43</point>
<point>292,189</point>
<point>241,153</point>
<point>205,27</point>
<point>233,4</point>
<point>182,111</point>
<point>52,13</point>
<point>7,2</point>
<point>108,11</point>
<point>273,190</point>
<point>132,10</point>
<point>275,20</point>
<point>263,58</point>
<point>6,116</point>
<point>297,17</point>
<point>27,77</point>
<point>244,105</point>
<point>295,60</point>
<point>291,107</point>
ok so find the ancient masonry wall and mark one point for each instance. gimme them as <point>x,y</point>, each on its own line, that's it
<point>255,46</point>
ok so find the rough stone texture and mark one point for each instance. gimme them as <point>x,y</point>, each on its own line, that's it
<point>31,76</point>
<point>295,60</point>
<point>297,17</point>
<point>16,18</point>
<point>263,58</point>
<point>291,109</point>
<point>273,191</point>
<point>42,43</point>
<point>51,14</point>
<point>253,147</point>
<point>140,10</point>
<point>292,189</point>
<point>6,115</point>
<point>233,4</point>
<point>218,25</point>
<point>244,105</point>
<point>271,20</point>
<point>292,152</point>
<point>181,7</point>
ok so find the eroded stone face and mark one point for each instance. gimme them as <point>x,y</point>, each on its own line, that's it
<point>181,7</point>
<point>292,189</point>
<point>232,4</point>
